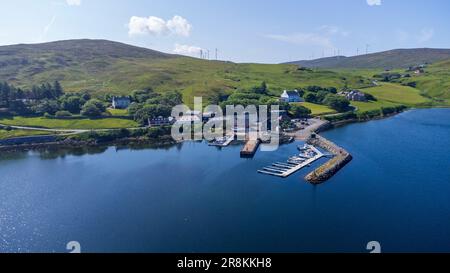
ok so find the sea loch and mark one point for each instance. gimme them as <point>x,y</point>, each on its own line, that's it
<point>196,198</point>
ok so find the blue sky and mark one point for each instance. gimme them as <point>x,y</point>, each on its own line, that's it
<point>243,30</point>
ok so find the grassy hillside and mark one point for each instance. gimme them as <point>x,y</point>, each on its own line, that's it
<point>435,83</point>
<point>399,58</point>
<point>397,94</point>
<point>102,66</point>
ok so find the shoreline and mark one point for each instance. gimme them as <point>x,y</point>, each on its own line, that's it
<point>70,143</point>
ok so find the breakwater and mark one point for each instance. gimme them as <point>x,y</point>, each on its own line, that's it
<point>330,168</point>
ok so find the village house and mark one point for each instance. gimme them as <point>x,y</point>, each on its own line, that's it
<point>121,102</point>
<point>354,95</point>
<point>290,96</point>
<point>160,121</point>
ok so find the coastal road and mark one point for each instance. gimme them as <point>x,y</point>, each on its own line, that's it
<point>303,135</point>
<point>65,131</point>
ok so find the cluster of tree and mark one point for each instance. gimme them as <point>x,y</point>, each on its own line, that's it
<point>336,102</point>
<point>9,93</point>
<point>48,99</point>
<point>299,111</point>
<point>113,135</point>
<point>148,104</point>
<point>388,76</point>
<point>326,96</point>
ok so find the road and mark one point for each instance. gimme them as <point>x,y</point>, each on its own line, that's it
<point>303,135</point>
<point>65,131</point>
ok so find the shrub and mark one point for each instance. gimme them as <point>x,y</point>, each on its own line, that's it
<point>63,114</point>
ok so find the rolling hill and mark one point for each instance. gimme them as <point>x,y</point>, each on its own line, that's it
<point>398,58</point>
<point>101,66</point>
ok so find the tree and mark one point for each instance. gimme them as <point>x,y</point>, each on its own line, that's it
<point>172,98</point>
<point>100,105</point>
<point>321,95</point>
<point>336,102</point>
<point>72,104</point>
<point>5,91</point>
<point>262,89</point>
<point>46,106</point>
<point>310,97</point>
<point>151,111</point>
<point>91,109</point>
<point>18,107</point>
<point>141,96</point>
<point>134,107</point>
<point>300,111</point>
<point>57,90</point>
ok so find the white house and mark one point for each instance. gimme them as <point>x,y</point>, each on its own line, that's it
<point>291,96</point>
<point>121,102</point>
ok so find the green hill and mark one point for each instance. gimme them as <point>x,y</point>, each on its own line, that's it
<point>101,66</point>
<point>398,58</point>
<point>435,83</point>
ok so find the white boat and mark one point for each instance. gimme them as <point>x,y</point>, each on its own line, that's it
<point>303,148</point>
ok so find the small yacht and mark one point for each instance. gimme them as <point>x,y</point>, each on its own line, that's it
<point>305,147</point>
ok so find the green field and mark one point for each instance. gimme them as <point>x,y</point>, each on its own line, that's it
<point>316,109</point>
<point>372,105</point>
<point>118,112</point>
<point>395,93</point>
<point>41,122</point>
<point>5,134</point>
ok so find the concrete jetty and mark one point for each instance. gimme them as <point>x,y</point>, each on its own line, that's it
<point>330,168</point>
<point>250,148</point>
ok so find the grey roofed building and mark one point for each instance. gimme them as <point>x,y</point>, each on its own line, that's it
<point>355,95</point>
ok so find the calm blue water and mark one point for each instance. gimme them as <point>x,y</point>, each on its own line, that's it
<point>196,198</point>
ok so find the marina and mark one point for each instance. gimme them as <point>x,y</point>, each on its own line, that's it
<point>309,154</point>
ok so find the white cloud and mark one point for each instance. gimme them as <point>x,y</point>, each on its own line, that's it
<point>188,50</point>
<point>179,26</point>
<point>374,2</point>
<point>425,35</point>
<point>334,30</point>
<point>73,2</point>
<point>157,26</point>
<point>305,39</point>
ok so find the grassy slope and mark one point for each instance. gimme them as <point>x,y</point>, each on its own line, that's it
<point>389,94</point>
<point>4,134</point>
<point>397,94</point>
<point>107,67</point>
<point>107,123</point>
<point>435,83</point>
